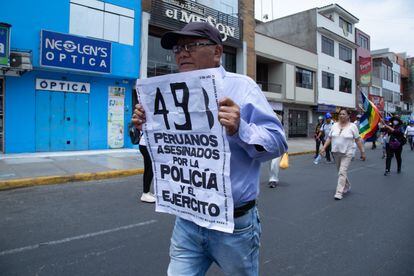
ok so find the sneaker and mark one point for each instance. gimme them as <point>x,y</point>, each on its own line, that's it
<point>148,197</point>
<point>338,197</point>
<point>273,184</point>
<point>387,172</point>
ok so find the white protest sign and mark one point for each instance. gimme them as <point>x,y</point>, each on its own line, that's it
<point>188,147</point>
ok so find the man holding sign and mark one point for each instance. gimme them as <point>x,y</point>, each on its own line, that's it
<point>208,175</point>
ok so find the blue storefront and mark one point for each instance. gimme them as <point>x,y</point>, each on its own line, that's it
<point>69,84</point>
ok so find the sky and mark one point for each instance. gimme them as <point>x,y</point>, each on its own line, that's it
<point>389,23</point>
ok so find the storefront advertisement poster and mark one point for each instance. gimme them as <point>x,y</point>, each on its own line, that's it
<point>378,101</point>
<point>116,99</point>
<point>4,45</point>
<point>365,69</point>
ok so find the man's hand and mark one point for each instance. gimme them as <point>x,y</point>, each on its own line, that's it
<point>229,115</point>
<point>138,118</point>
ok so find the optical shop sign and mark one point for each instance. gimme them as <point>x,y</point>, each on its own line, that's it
<point>188,146</point>
<point>73,52</point>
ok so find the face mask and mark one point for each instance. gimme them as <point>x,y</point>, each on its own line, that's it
<point>395,123</point>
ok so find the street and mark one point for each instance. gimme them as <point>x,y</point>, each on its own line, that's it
<point>100,227</point>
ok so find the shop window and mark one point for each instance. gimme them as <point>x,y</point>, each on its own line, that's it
<point>304,78</point>
<point>328,46</point>
<point>226,6</point>
<point>345,53</point>
<point>102,20</point>
<point>228,61</point>
<point>160,60</point>
<point>375,91</point>
<point>328,80</point>
<point>363,42</point>
<point>345,85</point>
<point>387,94</point>
<point>345,25</point>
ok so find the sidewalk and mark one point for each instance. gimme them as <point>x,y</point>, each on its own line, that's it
<point>30,169</point>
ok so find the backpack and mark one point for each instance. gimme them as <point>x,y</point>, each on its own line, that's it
<point>396,143</point>
<point>134,134</point>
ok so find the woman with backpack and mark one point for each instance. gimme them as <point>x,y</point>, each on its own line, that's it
<point>394,143</point>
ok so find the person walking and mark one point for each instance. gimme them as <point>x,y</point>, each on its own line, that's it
<point>325,130</point>
<point>274,172</point>
<point>274,168</point>
<point>146,196</point>
<point>409,134</point>
<point>394,144</point>
<point>384,135</point>
<point>343,136</point>
<point>254,134</point>
<point>318,135</point>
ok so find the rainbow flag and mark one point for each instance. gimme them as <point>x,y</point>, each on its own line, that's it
<point>368,124</point>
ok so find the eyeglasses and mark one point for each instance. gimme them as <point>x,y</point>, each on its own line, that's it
<point>189,47</point>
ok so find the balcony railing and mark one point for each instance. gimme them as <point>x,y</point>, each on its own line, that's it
<point>270,87</point>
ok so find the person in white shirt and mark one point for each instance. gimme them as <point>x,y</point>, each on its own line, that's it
<point>343,136</point>
<point>325,129</point>
<point>274,167</point>
<point>409,134</point>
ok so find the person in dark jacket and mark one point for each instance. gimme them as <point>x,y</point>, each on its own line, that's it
<point>394,143</point>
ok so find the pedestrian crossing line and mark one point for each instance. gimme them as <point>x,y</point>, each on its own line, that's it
<point>70,239</point>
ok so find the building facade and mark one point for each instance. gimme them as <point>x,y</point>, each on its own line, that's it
<point>327,32</point>
<point>287,77</point>
<point>363,70</point>
<point>386,79</point>
<point>336,57</point>
<point>70,81</point>
<point>406,92</point>
<point>228,16</point>
<point>409,88</point>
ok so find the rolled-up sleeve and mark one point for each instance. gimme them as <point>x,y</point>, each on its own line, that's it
<point>259,127</point>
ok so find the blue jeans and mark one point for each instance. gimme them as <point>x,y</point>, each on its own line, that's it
<point>194,248</point>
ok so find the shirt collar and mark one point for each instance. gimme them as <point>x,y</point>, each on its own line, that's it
<point>222,71</point>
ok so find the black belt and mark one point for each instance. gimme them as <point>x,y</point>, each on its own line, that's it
<point>242,210</point>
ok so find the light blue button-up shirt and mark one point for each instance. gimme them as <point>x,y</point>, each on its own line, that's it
<point>259,126</point>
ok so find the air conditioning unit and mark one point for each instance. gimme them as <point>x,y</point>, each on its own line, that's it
<point>21,60</point>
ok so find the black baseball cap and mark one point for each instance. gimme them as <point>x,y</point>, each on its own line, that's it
<point>192,29</point>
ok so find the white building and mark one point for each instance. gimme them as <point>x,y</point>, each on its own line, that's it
<point>386,80</point>
<point>328,32</point>
<point>287,76</point>
<point>336,56</point>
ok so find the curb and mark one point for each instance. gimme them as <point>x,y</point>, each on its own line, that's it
<point>62,179</point>
<point>57,179</point>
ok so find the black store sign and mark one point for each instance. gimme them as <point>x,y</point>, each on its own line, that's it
<point>175,14</point>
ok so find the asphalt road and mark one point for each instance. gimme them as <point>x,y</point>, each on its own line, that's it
<point>100,228</point>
